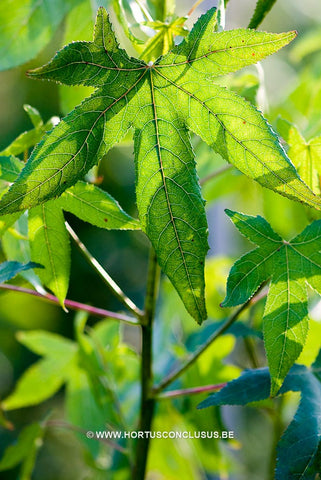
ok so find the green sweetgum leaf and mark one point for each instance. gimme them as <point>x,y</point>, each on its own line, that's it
<point>161,101</point>
<point>289,266</point>
<point>298,451</point>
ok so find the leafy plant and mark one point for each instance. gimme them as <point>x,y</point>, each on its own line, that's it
<point>186,117</point>
<point>298,449</point>
<point>131,92</point>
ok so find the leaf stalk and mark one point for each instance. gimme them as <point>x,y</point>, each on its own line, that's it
<point>112,285</point>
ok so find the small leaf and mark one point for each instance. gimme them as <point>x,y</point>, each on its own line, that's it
<point>16,247</point>
<point>10,167</point>
<point>34,115</point>
<point>46,343</point>
<point>305,155</point>
<point>9,270</point>
<point>261,10</point>
<point>28,139</point>
<point>29,438</point>
<point>49,245</point>
<point>40,382</point>
<point>289,266</point>
<point>95,206</point>
<point>251,386</point>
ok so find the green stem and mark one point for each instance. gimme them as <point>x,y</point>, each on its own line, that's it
<point>112,285</point>
<point>192,358</point>
<point>277,431</point>
<point>147,404</point>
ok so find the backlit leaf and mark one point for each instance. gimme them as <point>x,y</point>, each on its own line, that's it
<point>289,266</point>
<point>95,206</point>
<point>161,101</point>
<point>49,245</point>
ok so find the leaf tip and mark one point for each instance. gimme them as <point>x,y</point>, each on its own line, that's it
<point>229,213</point>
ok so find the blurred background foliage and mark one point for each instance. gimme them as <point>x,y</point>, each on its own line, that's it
<point>85,373</point>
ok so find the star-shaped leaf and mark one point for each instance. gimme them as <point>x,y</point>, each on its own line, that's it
<point>161,101</point>
<point>289,266</point>
<point>298,451</point>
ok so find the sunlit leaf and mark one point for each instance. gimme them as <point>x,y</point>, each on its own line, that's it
<point>49,245</point>
<point>95,206</point>
<point>289,266</point>
<point>161,101</point>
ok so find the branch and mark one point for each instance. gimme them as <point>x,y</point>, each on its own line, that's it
<point>147,402</point>
<point>190,391</point>
<point>112,285</point>
<point>97,312</point>
<point>193,357</point>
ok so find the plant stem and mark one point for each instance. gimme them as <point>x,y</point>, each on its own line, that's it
<point>147,403</point>
<point>215,174</point>
<point>112,285</point>
<point>277,432</point>
<point>196,4</point>
<point>190,391</point>
<point>193,357</point>
<point>97,312</point>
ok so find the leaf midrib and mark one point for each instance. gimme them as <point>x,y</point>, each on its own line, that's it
<point>219,50</point>
<point>169,207</point>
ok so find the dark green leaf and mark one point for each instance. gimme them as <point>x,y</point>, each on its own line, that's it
<point>8,270</point>
<point>289,265</point>
<point>298,452</point>
<point>251,386</point>
<point>10,167</point>
<point>261,10</point>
